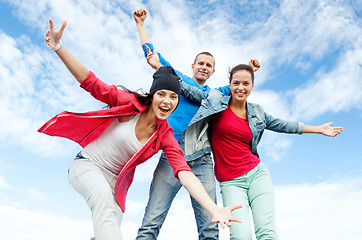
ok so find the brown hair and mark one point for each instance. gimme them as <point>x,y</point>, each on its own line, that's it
<point>205,53</point>
<point>239,68</point>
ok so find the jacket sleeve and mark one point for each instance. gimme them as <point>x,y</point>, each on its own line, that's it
<point>225,90</point>
<point>174,153</point>
<point>193,93</point>
<point>108,94</point>
<point>283,126</point>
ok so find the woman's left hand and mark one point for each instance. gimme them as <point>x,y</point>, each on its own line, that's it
<point>223,216</point>
<point>329,131</point>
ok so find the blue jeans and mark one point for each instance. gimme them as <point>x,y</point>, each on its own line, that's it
<point>254,191</point>
<point>163,190</point>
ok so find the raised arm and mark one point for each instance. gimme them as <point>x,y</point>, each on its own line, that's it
<point>52,39</point>
<point>324,129</point>
<point>198,192</point>
<point>139,17</point>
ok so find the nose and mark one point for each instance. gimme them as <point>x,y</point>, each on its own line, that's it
<point>240,87</point>
<point>167,99</point>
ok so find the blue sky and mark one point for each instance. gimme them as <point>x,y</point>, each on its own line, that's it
<point>311,71</point>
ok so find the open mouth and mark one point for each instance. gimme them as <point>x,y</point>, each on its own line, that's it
<point>164,110</point>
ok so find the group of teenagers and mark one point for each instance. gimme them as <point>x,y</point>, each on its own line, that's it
<point>208,133</point>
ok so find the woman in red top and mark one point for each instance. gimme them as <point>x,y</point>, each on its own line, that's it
<point>116,140</point>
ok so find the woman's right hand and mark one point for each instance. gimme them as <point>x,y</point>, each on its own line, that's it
<point>223,216</point>
<point>52,37</point>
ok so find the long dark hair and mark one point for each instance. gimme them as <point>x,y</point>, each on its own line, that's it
<point>143,97</point>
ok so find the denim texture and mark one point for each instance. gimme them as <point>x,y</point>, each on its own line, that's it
<point>213,102</point>
<point>164,188</point>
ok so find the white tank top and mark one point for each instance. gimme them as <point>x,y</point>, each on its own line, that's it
<point>115,146</point>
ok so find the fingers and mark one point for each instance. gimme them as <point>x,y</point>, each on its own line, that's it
<point>148,50</point>
<point>217,221</point>
<point>237,206</point>
<point>64,24</point>
<point>140,12</point>
<point>51,25</point>
<point>234,219</point>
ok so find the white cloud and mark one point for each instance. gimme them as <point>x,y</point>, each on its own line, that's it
<point>19,224</point>
<point>334,91</point>
<point>102,34</point>
<point>328,210</point>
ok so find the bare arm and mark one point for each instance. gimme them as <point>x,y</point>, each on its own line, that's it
<point>75,67</point>
<point>139,17</point>
<point>198,192</point>
<point>324,129</point>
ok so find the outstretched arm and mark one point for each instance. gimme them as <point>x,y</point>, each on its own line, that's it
<point>139,17</point>
<point>324,129</point>
<point>52,39</point>
<point>198,192</point>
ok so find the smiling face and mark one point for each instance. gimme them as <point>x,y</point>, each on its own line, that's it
<point>241,84</point>
<point>164,102</point>
<point>203,68</point>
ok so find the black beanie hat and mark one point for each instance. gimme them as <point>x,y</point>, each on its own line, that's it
<point>165,78</point>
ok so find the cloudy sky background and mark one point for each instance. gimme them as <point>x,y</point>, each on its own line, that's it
<point>311,70</point>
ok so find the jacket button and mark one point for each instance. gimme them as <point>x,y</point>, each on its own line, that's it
<point>200,115</point>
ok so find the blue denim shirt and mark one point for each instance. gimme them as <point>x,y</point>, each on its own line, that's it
<point>194,141</point>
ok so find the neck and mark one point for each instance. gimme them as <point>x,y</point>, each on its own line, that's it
<point>200,82</point>
<point>238,108</point>
<point>237,105</point>
<point>148,118</point>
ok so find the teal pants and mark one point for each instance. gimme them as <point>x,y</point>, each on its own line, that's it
<point>254,191</point>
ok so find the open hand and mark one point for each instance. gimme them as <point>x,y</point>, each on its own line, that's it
<point>223,216</point>
<point>329,131</point>
<point>52,37</point>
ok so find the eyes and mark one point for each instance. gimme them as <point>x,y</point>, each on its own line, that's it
<point>209,65</point>
<point>162,94</point>
<point>244,83</point>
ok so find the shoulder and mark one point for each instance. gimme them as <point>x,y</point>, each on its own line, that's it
<point>255,109</point>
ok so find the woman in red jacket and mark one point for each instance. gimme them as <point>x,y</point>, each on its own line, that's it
<point>117,139</point>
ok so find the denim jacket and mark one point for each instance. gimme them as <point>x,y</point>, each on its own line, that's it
<point>194,140</point>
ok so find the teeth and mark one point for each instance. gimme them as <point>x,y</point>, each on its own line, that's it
<point>165,109</point>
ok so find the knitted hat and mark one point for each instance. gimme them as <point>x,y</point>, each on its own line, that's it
<point>165,78</point>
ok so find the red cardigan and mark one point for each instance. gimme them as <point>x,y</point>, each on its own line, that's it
<point>83,128</point>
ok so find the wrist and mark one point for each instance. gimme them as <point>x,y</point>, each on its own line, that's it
<point>158,67</point>
<point>56,48</point>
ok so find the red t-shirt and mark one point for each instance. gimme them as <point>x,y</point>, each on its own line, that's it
<point>230,139</point>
